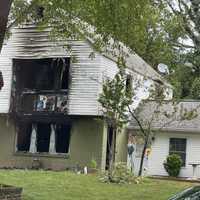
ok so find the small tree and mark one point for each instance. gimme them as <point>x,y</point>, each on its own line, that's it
<point>146,125</point>
<point>115,99</point>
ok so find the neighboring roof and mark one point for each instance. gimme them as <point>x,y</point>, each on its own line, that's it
<point>186,117</point>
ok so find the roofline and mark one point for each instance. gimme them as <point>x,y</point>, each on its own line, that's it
<point>183,130</point>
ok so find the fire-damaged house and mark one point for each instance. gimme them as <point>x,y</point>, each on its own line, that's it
<point>49,107</point>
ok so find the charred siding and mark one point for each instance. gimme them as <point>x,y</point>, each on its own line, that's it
<point>29,43</point>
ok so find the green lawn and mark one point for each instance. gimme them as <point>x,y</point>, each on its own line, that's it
<point>46,185</point>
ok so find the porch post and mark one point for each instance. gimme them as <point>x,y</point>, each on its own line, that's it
<point>33,145</point>
<point>52,145</point>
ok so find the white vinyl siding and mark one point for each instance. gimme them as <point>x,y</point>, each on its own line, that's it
<point>29,43</point>
<point>160,151</point>
<point>86,74</point>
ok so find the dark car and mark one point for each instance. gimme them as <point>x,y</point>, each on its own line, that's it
<point>192,193</point>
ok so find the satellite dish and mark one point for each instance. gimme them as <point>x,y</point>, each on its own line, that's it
<point>163,69</point>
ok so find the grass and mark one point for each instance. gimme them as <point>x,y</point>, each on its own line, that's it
<point>47,185</point>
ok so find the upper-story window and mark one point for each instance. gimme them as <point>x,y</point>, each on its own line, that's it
<point>42,74</point>
<point>1,80</point>
<point>41,85</point>
<point>129,83</point>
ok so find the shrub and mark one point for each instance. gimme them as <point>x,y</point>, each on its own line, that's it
<point>173,165</point>
<point>93,164</point>
<point>195,89</point>
<point>121,175</point>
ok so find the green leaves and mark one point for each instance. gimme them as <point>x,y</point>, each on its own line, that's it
<point>115,100</point>
<point>173,165</point>
<point>137,23</point>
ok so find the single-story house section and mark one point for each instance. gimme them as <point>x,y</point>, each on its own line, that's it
<point>176,130</point>
<point>49,108</point>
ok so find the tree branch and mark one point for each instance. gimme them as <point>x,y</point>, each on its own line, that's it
<point>4,12</point>
<point>178,44</point>
<point>137,120</point>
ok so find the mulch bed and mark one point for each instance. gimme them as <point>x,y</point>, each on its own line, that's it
<point>175,179</point>
<point>10,192</point>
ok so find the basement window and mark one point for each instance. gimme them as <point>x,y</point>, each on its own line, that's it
<point>43,138</point>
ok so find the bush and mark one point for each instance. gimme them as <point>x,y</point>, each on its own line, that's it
<point>173,165</point>
<point>121,175</point>
<point>93,164</point>
<point>195,90</point>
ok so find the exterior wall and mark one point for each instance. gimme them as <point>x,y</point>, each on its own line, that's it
<point>87,142</point>
<point>5,67</point>
<point>86,75</point>
<point>160,150</point>
<point>29,43</point>
<point>121,146</point>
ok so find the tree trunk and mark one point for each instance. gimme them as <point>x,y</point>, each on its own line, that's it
<point>143,153</point>
<point>142,158</point>
<point>4,12</point>
<point>112,154</point>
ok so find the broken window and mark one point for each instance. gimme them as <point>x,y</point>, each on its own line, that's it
<point>62,138</point>
<point>65,75</point>
<point>129,81</point>
<point>42,84</point>
<point>24,137</point>
<point>43,138</point>
<point>1,80</point>
<point>42,74</point>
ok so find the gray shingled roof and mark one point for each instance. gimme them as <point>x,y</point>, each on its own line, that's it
<point>186,118</point>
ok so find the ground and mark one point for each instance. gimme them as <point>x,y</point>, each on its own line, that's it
<point>47,185</point>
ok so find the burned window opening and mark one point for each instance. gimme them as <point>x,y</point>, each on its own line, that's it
<point>43,137</point>
<point>24,137</point>
<point>40,85</point>
<point>41,74</point>
<point>62,138</point>
<point>49,138</point>
<point>129,82</point>
<point>40,12</point>
<point>65,75</point>
<point>1,80</point>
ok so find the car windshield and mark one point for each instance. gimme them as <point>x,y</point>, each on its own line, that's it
<point>189,194</point>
